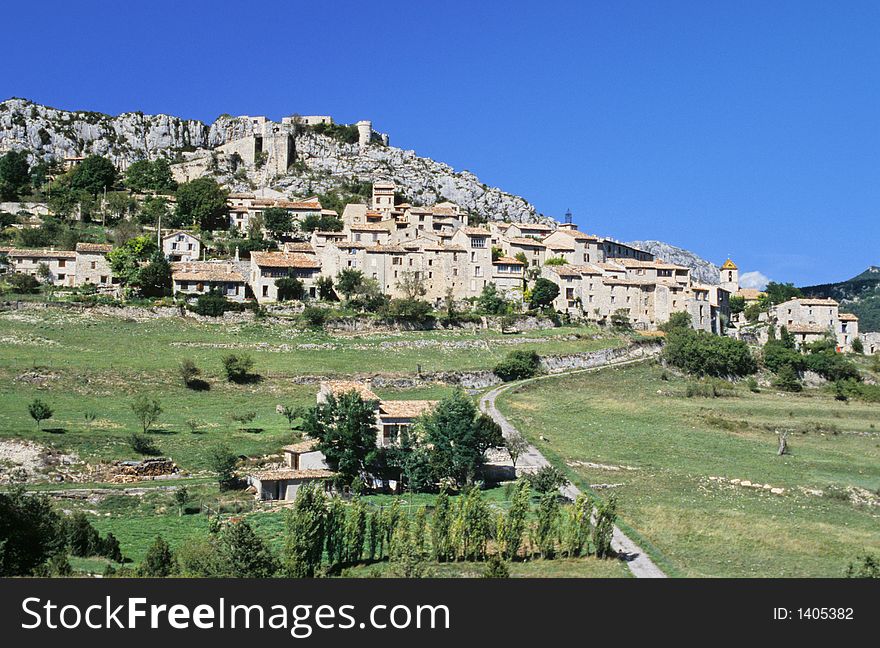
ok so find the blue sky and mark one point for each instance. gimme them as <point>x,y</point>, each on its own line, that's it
<point>747,129</point>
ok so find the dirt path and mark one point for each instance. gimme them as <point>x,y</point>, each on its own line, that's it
<point>640,564</point>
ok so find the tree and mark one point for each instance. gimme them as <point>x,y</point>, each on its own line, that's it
<point>159,560</point>
<point>776,293</point>
<point>441,528</point>
<point>181,497</point>
<point>543,293</point>
<point>29,531</point>
<point>14,175</point>
<point>153,211</point>
<point>23,284</point>
<point>412,285</point>
<point>473,525</point>
<point>277,221</point>
<point>81,537</point>
<point>407,310</point>
<point>202,202</point>
<point>606,516</point>
<point>189,372</point>
<point>349,282</point>
<point>321,223</point>
<point>147,410</point>
<point>245,553</point>
<point>516,445</point>
<point>325,288</point>
<point>620,319</point>
<point>118,205</point>
<point>458,438</point>
<point>546,529</point>
<point>211,304</point>
<point>677,321</point>
<point>154,279</point>
<point>93,175</point>
<point>126,259</point>
<point>290,289</point>
<point>238,367</point>
<point>518,365</point>
<point>492,302</point>
<point>345,426</point>
<point>514,523</point>
<point>704,354</point>
<point>548,479</point>
<point>146,175</point>
<point>496,568</point>
<point>223,463</point>
<point>857,346</point>
<point>39,411</point>
<point>305,533</point>
<point>737,304</point>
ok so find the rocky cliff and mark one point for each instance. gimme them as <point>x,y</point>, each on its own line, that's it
<point>702,270</point>
<point>322,163</point>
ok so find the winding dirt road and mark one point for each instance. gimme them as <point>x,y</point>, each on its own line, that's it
<point>639,563</point>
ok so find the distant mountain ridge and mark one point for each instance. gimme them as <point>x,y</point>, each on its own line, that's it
<point>859,295</point>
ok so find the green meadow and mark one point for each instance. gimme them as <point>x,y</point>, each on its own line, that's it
<point>671,460</point>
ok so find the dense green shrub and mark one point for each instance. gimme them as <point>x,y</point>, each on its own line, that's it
<point>787,379</point>
<point>408,310</point>
<point>211,304</point>
<point>22,284</point>
<point>315,316</point>
<point>518,365</point>
<point>832,366</point>
<point>703,354</point>
<point>238,367</point>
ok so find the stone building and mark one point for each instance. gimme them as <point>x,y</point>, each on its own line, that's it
<point>194,278</point>
<point>181,245</point>
<point>267,267</point>
<point>812,319</point>
<point>59,264</point>
<point>92,266</point>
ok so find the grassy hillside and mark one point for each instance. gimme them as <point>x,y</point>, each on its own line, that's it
<point>671,459</point>
<point>859,295</point>
<point>80,362</point>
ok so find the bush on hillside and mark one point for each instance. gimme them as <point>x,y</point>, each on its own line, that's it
<point>518,365</point>
<point>832,366</point>
<point>703,354</point>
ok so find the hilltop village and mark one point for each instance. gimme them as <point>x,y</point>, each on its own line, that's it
<point>397,245</point>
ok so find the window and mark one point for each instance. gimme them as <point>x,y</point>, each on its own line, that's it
<point>93,265</point>
<point>478,271</point>
<point>62,263</point>
<point>265,291</point>
<point>478,242</point>
<point>103,279</point>
<point>61,277</point>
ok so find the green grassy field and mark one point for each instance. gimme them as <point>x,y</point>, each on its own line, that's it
<point>98,363</point>
<point>668,446</point>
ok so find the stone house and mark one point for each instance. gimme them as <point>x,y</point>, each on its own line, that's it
<point>193,278</point>
<point>61,265</point>
<point>304,456</point>
<point>870,342</point>
<point>476,262</point>
<point>508,275</point>
<point>810,319</point>
<point>267,267</point>
<point>616,249</point>
<point>181,245</point>
<point>92,266</point>
<point>528,230</point>
<point>533,249</point>
<point>283,483</point>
